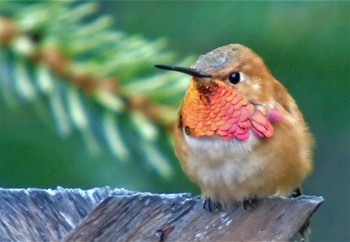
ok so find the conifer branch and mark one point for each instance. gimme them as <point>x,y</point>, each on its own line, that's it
<point>97,80</point>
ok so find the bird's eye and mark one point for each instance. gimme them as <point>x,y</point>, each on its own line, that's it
<point>234,77</point>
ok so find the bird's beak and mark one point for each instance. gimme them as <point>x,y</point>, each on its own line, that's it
<point>189,71</point>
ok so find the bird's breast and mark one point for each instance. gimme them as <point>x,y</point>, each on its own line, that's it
<point>216,160</point>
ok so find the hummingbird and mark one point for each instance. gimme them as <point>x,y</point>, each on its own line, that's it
<point>239,134</point>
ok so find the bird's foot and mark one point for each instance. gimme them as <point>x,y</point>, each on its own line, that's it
<point>250,203</point>
<point>208,205</point>
<point>296,193</point>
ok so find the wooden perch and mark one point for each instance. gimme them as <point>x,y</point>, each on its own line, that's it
<point>102,214</point>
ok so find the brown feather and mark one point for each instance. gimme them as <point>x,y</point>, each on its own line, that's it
<point>228,171</point>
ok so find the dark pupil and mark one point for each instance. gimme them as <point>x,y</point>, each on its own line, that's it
<point>234,77</point>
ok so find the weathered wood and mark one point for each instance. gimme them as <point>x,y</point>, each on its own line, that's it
<point>37,215</point>
<point>147,217</point>
<point>44,215</point>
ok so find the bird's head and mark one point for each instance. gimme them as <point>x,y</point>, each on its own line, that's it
<point>227,85</point>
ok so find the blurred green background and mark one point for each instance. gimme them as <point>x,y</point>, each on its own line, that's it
<point>306,45</point>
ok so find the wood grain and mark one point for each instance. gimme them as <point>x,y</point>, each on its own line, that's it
<point>103,214</point>
<point>44,215</point>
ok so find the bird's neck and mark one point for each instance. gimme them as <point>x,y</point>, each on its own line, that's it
<point>216,109</point>
<point>221,110</point>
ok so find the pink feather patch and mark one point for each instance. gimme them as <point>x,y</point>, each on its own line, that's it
<point>261,125</point>
<point>275,115</point>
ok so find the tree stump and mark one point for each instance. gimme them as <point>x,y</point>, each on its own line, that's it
<point>104,214</point>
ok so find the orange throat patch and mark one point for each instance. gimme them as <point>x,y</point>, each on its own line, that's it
<point>220,109</point>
